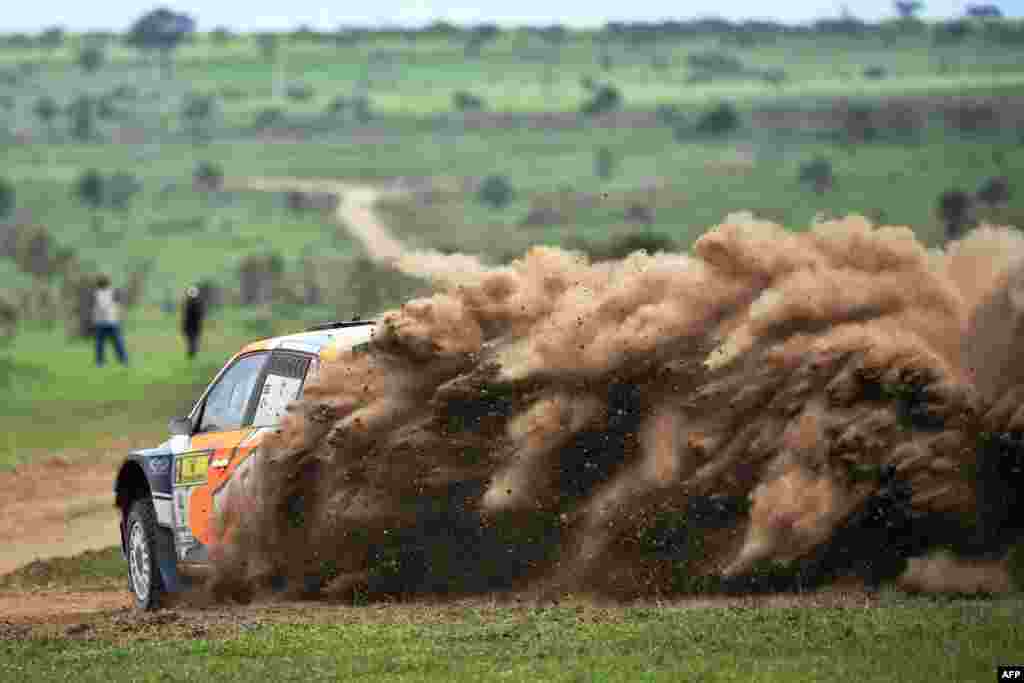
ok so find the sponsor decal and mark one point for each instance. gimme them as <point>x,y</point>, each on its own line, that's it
<point>159,464</point>
<point>191,469</point>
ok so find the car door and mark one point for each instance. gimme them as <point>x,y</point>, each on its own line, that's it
<point>223,420</point>
<point>279,383</point>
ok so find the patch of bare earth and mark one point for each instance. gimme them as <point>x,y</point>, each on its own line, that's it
<point>56,508</point>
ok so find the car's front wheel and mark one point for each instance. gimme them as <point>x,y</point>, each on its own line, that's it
<point>144,579</point>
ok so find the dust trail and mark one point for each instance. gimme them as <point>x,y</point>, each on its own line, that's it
<point>664,423</point>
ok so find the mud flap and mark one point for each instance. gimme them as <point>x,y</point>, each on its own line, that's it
<point>167,561</point>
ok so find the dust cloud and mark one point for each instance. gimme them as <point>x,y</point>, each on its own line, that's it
<point>774,409</point>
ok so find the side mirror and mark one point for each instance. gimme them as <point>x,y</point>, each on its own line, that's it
<point>180,426</point>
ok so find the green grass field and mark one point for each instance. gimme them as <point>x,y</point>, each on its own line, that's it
<point>913,640</point>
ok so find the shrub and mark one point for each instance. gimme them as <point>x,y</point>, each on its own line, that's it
<point>270,116</point>
<point>496,191</point>
<point>361,108</point>
<point>121,188</point>
<point>300,92</point>
<point>606,98</point>
<point>208,176</point>
<point>83,117</point>
<point>668,114</point>
<point>466,101</point>
<point>7,198</point>
<point>90,58</point>
<point>875,73</point>
<point>623,246</point>
<point>91,188</point>
<point>719,120</point>
<point>994,191</point>
<point>775,77</point>
<point>954,209</point>
<point>818,173</point>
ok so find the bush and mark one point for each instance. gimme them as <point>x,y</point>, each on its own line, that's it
<point>954,209</point>
<point>121,188</point>
<point>994,191</point>
<point>496,191</point>
<point>361,109</point>
<point>270,116</point>
<point>720,120</point>
<point>818,173</point>
<point>465,101</point>
<point>621,247</point>
<point>775,77</point>
<point>7,198</point>
<point>669,114</point>
<point>90,58</point>
<point>606,98</point>
<point>90,188</point>
<point>83,117</point>
<point>875,73</point>
<point>300,92</point>
<point>208,176</point>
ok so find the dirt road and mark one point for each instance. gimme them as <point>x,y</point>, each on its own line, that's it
<point>354,212</point>
<point>55,508</point>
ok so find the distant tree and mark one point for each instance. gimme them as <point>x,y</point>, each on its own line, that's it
<point>161,31</point>
<point>197,111</point>
<point>908,9</point>
<point>270,44</point>
<point>221,36</point>
<point>719,120</point>
<point>984,11</point>
<point>361,108</point>
<point>954,209</point>
<point>604,163</point>
<point>83,117</point>
<point>122,188</point>
<point>91,189</point>
<point>7,198</point>
<point>91,58</point>
<point>775,77</point>
<point>51,38</point>
<point>606,98</point>
<point>951,31</point>
<point>105,108</point>
<point>46,110</point>
<point>478,37</point>
<point>496,191</point>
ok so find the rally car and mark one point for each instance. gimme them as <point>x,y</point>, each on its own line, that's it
<point>169,495</point>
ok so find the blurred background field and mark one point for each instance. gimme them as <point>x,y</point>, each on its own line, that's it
<point>118,151</point>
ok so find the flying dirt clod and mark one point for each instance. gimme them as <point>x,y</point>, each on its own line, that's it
<point>824,401</point>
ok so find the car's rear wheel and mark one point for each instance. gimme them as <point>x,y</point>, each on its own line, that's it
<point>144,579</point>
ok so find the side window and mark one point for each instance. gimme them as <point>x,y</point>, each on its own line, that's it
<point>282,385</point>
<point>227,401</point>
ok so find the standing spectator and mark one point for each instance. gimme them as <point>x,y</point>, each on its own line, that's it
<point>192,320</point>
<point>107,321</point>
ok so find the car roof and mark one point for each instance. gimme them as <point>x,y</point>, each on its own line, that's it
<point>324,342</point>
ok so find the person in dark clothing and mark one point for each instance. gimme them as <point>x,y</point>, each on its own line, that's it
<point>192,319</point>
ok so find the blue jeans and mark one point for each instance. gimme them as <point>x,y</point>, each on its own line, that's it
<point>104,330</point>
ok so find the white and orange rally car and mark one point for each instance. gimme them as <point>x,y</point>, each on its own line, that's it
<point>170,495</point>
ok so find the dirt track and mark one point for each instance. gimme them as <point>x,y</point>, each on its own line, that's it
<point>55,508</point>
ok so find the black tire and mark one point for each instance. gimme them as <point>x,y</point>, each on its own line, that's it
<point>144,579</point>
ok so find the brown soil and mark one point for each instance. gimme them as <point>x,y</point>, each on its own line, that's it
<point>56,508</point>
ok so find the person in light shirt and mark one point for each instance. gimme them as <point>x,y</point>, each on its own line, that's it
<point>106,317</point>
